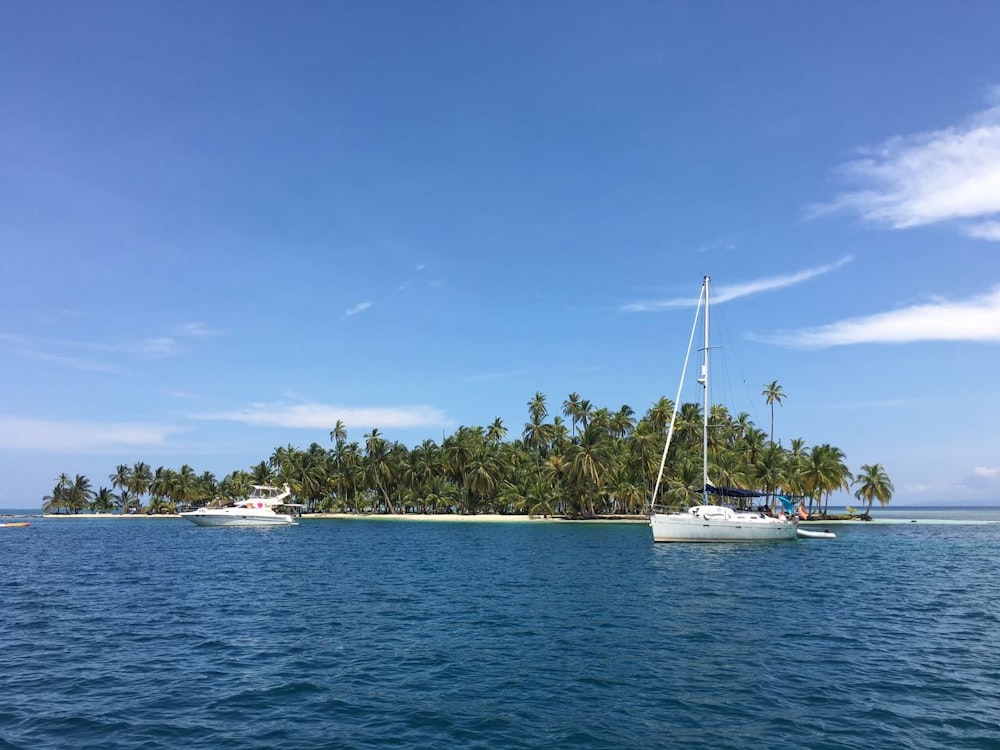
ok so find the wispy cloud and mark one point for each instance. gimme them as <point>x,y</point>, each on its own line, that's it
<point>730,292</point>
<point>68,362</point>
<point>974,319</point>
<point>948,175</point>
<point>54,351</point>
<point>420,281</point>
<point>716,245</point>
<point>196,330</point>
<point>358,308</point>
<point>160,347</point>
<point>52,436</point>
<point>323,417</point>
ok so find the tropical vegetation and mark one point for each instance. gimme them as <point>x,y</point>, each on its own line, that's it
<point>584,461</point>
<point>872,484</point>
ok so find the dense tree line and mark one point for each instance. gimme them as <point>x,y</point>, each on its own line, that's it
<point>583,462</point>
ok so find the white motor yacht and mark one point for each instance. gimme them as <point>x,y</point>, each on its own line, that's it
<point>260,508</point>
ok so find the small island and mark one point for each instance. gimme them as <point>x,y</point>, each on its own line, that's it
<point>585,463</point>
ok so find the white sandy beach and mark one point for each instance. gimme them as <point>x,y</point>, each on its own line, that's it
<point>437,517</point>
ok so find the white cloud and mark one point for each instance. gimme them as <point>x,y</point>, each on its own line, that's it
<point>727,293</point>
<point>986,230</point>
<point>323,416</point>
<point>358,308</point>
<point>974,319</point>
<point>944,175</point>
<point>983,479</point>
<point>53,436</point>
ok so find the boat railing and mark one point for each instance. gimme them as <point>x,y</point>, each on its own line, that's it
<point>675,507</point>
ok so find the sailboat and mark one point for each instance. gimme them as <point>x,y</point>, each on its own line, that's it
<point>709,522</point>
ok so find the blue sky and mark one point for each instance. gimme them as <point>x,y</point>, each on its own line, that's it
<point>226,225</point>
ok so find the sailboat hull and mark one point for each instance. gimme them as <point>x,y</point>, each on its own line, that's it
<point>718,524</point>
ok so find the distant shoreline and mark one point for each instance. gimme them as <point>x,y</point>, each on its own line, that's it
<point>903,514</point>
<point>456,518</point>
<point>483,517</point>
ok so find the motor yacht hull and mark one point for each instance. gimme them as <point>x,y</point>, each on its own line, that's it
<point>237,517</point>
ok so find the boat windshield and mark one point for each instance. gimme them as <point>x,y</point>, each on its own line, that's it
<point>264,493</point>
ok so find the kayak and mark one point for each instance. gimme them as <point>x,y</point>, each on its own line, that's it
<point>21,523</point>
<point>807,534</point>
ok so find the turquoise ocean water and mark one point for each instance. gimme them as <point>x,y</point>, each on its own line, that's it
<point>153,633</point>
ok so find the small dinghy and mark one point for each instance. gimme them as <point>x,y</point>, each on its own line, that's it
<point>807,534</point>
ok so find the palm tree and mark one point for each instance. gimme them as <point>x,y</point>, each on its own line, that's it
<point>753,445</point>
<point>338,435</point>
<point>824,473</point>
<point>122,480</point>
<point>623,421</point>
<point>142,478</point>
<point>161,487</point>
<point>59,498</point>
<point>537,410</point>
<point>772,394</point>
<point>282,457</point>
<point>123,501</point>
<point>586,413</point>
<point>660,414</point>
<point>378,466</point>
<point>873,483</point>
<point>79,494</point>
<point>236,485</point>
<point>481,479</point>
<point>496,431</point>
<point>261,473</point>
<point>537,436</point>
<point>459,452</point>
<point>208,487</point>
<point>770,471</point>
<point>571,410</point>
<point>104,501</point>
<point>588,461</point>
<point>350,462</point>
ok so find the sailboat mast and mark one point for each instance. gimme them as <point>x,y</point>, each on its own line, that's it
<point>704,384</point>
